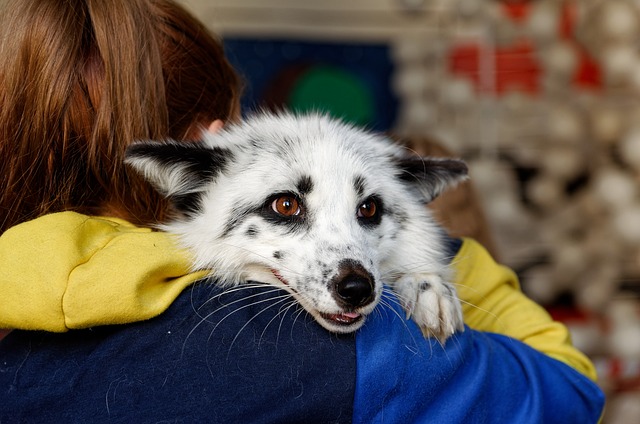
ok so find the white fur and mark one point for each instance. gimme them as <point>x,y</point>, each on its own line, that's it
<point>270,154</point>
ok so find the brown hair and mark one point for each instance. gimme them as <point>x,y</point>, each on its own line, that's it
<point>79,81</point>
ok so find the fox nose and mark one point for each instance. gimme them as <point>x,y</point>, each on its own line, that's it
<point>353,285</point>
<point>354,290</point>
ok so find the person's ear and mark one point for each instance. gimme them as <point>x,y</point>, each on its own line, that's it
<point>215,126</point>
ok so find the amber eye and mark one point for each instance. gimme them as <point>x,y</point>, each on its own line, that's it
<point>286,206</point>
<point>368,209</point>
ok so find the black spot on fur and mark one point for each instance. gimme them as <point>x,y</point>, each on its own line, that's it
<point>255,143</point>
<point>277,254</point>
<point>238,215</point>
<point>188,204</point>
<point>252,231</point>
<point>397,214</point>
<point>449,290</point>
<point>424,286</point>
<point>325,270</point>
<point>304,185</point>
<point>325,274</point>
<point>288,142</point>
<point>358,185</point>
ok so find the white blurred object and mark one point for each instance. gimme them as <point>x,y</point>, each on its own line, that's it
<point>505,209</point>
<point>543,20</point>
<point>586,335</point>
<point>411,49</point>
<point>458,92</point>
<point>614,188</point>
<point>626,223</point>
<point>630,148</point>
<point>563,163</point>
<point>417,116</point>
<point>594,291</point>
<point>545,191</point>
<point>607,123</point>
<point>619,61</point>
<point>492,177</point>
<point>569,261</point>
<point>625,330</point>
<point>565,124</point>
<point>560,59</point>
<point>619,20</point>
<point>412,80</point>
<point>539,284</point>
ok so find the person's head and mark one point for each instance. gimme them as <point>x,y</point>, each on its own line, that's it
<point>82,79</point>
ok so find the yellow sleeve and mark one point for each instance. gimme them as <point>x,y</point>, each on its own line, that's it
<point>67,271</point>
<point>493,302</point>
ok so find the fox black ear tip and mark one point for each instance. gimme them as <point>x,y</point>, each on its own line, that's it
<point>458,168</point>
<point>464,170</point>
<point>457,165</point>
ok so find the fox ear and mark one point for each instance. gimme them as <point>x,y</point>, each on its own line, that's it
<point>179,171</point>
<point>432,176</point>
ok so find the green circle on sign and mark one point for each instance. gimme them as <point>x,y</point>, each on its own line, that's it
<point>334,91</point>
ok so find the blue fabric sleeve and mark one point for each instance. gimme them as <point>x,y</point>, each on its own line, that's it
<point>475,378</point>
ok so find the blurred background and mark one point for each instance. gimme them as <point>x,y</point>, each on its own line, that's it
<point>540,97</point>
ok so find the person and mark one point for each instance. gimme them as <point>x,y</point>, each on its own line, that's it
<point>108,323</point>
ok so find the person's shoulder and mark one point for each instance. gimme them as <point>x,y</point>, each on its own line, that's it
<point>235,355</point>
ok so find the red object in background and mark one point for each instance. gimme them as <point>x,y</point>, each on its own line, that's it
<point>517,67</point>
<point>516,10</point>
<point>571,314</point>
<point>568,19</point>
<point>513,67</point>
<point>588,74</point>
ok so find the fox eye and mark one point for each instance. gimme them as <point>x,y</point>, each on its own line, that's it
<point>368,209</point>
<point>286,205</point>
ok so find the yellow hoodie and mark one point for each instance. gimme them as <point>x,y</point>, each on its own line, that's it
<point>69,271</point>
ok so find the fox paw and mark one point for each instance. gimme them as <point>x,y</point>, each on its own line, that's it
<point>432,303</point>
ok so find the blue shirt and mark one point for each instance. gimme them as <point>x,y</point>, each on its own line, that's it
<point>251,356</point>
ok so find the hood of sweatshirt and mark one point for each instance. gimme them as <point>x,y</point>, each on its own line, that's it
<point>69,271</point>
